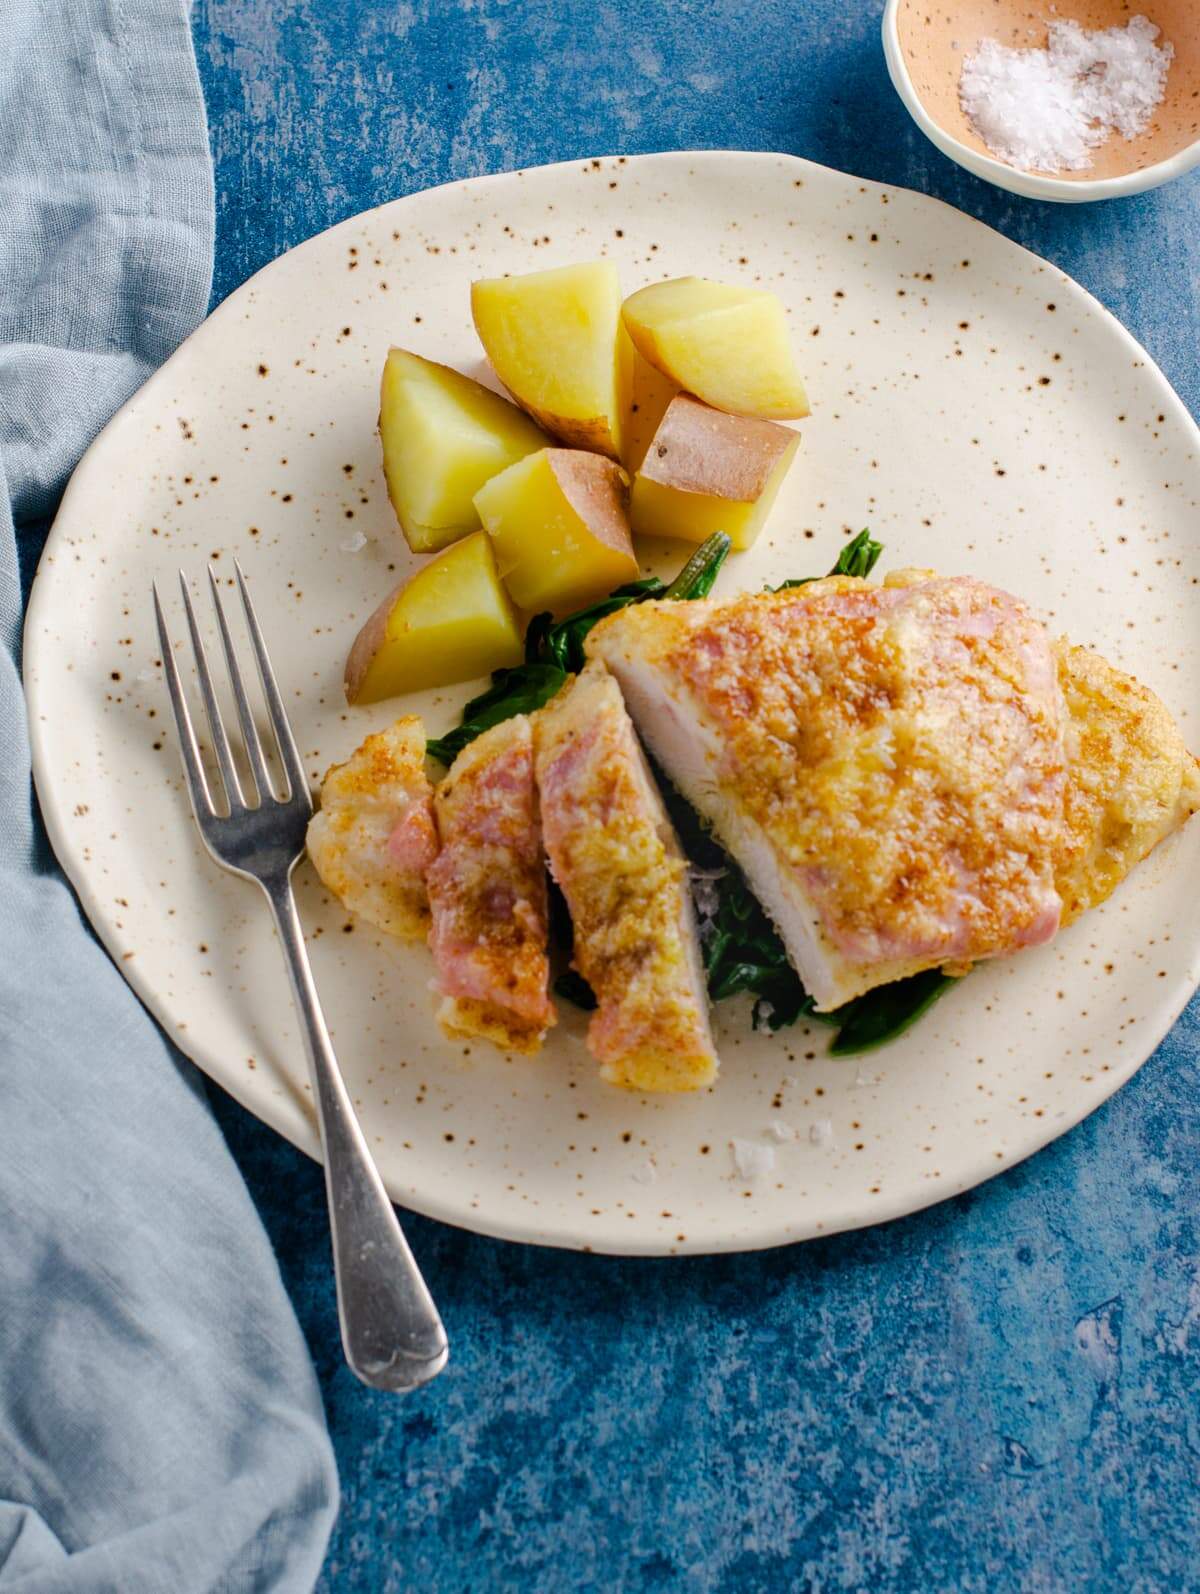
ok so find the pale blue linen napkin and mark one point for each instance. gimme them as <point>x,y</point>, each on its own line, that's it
<point>160,1424</point>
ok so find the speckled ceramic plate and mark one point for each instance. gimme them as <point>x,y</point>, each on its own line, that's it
<point>973,406</point>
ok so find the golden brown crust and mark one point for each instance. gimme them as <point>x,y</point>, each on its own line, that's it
<point>487,893</point>
<point>1131,780</point>
<point>373,834</point>
<point>476,1020</point>
<point>900,746</point>
<point>898,750</point>
<point>613,852</point>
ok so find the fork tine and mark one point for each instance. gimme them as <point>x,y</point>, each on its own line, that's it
<point>288,751</point>
<point>193,770</point>
<point>220,741</point>
<point>254,751</point>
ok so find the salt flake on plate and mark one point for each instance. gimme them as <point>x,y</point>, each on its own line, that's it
<point>751,1160</point>
<point>705,895</point>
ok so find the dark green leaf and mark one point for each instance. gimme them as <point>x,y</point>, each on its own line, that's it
<point>782,1004</point>
<point>696,578</point>
<point>742,951</point>
<point>562,644</point>
<point>555,650</point>
<point>519,690</point>
<point>536,632</point>
<point>882,1014</point>
<point>858,558</point>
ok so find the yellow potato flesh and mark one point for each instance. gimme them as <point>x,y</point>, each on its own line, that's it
<point>452,622</point>
<point>552,338</point>
<point>443,436</point>
<point>560,529</point>
<point>729,346</point>
<point>659,511</point>
<point>707,471</point>
<point>648,392</point>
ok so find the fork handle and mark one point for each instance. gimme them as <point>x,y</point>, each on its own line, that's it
<point>391,1330</point>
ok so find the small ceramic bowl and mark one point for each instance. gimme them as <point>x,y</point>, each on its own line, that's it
<point>926,41</point>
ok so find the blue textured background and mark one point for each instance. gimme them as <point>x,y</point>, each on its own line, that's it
<point>1002,1393</point>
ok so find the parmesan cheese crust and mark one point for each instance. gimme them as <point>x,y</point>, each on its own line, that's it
<point>885,762</point>
<point>373,836</point>
<point>487,893</point>
<point>613,852</point>
<point>1130,779</point>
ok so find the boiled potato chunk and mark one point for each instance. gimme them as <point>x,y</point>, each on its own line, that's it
<point>706,471</point>
<point>552,338</point>
<point>559,522</point>
<point>443,436</point>
<point>451,622</point>
<point>729,346</point>
<point>647,394</point>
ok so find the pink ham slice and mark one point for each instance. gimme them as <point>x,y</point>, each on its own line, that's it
<point>487,894</point>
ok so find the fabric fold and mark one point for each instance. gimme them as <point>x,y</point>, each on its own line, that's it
<point>160,1422</point>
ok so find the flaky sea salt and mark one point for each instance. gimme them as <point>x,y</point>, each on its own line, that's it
<point>1046,110</point>
<point>750,1160</point>
<point>355,543</point>
<point>821,1132</point>
<point>706,896</point>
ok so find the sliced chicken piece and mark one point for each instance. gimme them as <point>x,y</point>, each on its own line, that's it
<point>373,836</point>
<point>613,851</point>
<point>487,894</point>
<point>885,763</point>
<point>1130,779</point>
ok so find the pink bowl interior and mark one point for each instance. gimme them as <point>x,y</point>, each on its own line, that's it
<point>935,38</point>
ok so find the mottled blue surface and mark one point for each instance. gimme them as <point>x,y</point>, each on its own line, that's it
<point>1000,1394</point>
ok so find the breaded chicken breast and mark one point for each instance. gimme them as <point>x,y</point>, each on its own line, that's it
<point>373,836</point>
<point>613,851</point>
<point>1130,779</point>
<point>886,763</point>
<point>487,893</point>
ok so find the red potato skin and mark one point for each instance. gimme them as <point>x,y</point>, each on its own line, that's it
<point>697,449</point>
<point>579,435</point>
<point>597,490</point>
<point>367,644</point>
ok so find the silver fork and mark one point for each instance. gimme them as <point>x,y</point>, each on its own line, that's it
<point>391,1330</point>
